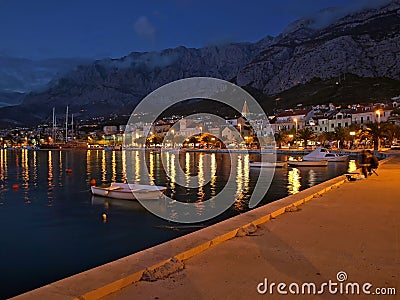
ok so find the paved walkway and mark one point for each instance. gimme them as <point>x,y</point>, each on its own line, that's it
<point>354,228</point>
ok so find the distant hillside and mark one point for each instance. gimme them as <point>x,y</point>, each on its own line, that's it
<point>301,65</point>
<point>10,98</point>
<point>26,75</point>
<point>351,89</point>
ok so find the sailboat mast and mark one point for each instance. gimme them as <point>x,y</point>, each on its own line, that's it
<point>72,126</point>
<point>66,126</point>
<point>53,134</point>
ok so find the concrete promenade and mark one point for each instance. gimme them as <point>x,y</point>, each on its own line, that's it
<point>354,228</point>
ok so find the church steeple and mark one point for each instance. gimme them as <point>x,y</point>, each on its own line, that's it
<point>245,110</point>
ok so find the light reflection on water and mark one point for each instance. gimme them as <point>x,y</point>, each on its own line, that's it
<point>294,181</point>
<point>352,166</point>
<point>209,170</point>
<point>63,218</point>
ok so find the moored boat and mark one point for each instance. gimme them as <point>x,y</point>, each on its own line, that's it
<point>324,154</point>
<point>127,191</point>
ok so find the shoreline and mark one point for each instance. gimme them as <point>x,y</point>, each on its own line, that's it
<point>115,275</point>
<point>356,152</point>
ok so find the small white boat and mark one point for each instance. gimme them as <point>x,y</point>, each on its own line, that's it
<point>127,191</point>
<point>324,154</point>
<point>307,163</point>
<point>266,164</point>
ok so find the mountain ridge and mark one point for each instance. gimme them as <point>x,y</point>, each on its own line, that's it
<point>365,43</point>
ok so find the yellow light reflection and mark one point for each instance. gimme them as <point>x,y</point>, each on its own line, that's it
<point>294,181</point>
<point>123,165</point>
<point>50,177</point>
<point>1,165</point>
<point>246,172</point>
<point>35,175</point>
<point>173,171</point>
<point>103,166</point>
<point>187,168</point>
<point>239,204</point>
<point>239,177</point>
<point>352,166</point>
<point>137,167</point>
<point>200,177</point>
<point>151,166</point>
<point>167,162</point>
<point>5,164</point>
<point>114,167</point>
<point>25,168</point>
<point>213,174</point>
<point>60,164</point>
<point>60,160</point>
<point>88,166</point>
<point>50,166</point>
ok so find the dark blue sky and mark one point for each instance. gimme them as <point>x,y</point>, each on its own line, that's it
<point>78,28</point>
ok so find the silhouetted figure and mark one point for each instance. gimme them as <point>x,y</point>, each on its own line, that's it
<point>366,162</point>
<point>373,163</point>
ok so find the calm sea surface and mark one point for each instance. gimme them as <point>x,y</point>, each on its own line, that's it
<point>52,227</point>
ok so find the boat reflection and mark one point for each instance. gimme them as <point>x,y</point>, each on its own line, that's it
<point>115,203</point>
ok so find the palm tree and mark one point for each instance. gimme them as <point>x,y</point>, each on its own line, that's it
<point>375,132</point>
<point>140,140</point>
<point>193,140</point>
<point>280,137</point>
<point>342,134</point>
<point>305,134</point>
<point>392,132</point>
<point>206,139</point>
<point>178,139</point>
<point>156,139</point>
<point>322,138</point>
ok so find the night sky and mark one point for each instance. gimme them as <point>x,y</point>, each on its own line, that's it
<point>96,29</point>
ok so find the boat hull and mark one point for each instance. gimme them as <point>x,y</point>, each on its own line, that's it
<point>278,164</point>
<point>322,163</point>
<point>324,154</point>
<point>339,158</point>
<point>129,192</point>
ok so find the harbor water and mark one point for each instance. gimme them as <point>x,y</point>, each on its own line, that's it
<point>52,227</point>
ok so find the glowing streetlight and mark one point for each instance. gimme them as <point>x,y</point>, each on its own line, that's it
<point>295,120</point>
<point>378,112</point>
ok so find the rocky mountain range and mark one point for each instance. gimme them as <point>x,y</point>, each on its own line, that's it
<point>365,43</point>
<point>21,75</point>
